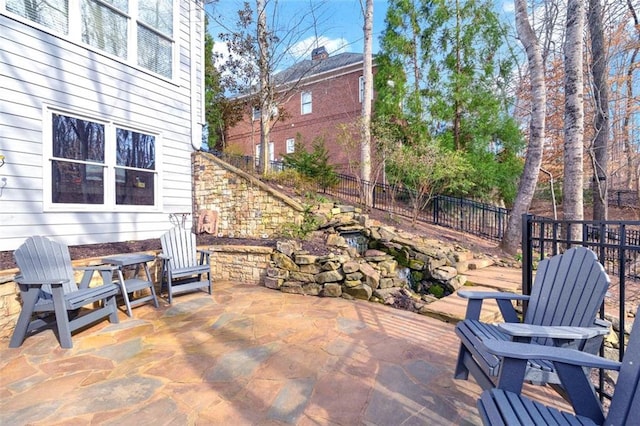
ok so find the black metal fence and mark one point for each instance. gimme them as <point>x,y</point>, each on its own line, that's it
<point>473,217</point>
<point>623,198</point>
<point>616,243</point>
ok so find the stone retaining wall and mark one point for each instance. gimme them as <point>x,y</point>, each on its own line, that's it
<point>243,264</point>
<point>394,268</point>
<point>232,203</point>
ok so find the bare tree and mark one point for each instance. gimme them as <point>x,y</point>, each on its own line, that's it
<point>598,151</point>
<point>367,99</point>
<point>537,126</point>
<point>572,194</point>
<point>265,90</point>
<point>259,45</point>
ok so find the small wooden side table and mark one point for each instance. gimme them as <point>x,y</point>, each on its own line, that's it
<point>130,285</point>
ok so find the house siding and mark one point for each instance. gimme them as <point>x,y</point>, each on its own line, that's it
<point>40,70</point>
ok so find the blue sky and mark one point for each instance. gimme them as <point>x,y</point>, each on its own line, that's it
<point>339,22</point>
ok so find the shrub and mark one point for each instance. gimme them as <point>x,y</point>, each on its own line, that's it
<point>313,165</point>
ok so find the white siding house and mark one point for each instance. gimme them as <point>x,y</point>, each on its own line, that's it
<point>101,106</point>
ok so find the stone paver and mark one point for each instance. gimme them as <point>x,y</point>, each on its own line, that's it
<point>246,355</point>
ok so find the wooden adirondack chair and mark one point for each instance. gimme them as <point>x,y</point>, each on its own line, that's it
<point>47,285</point>
<point>567,292</point>
<point>183,266</point>
<point>505,405</point>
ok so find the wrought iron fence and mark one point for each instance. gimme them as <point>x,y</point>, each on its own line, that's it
<point>616,243</point>
<point>473,217</point>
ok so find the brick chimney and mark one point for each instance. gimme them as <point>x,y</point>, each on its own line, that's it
<point>319,53</point>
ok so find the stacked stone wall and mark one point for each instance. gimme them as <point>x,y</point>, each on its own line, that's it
<point>241,264</point>
<point>242,206</point>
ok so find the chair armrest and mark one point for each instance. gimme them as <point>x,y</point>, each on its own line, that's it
<point>552,332</point>
<point>205,251</point>
<point>163,257</point>
<point>599,322</point>
<point>497,295</point>
<point>504,300</point>
<point>515,350</point>
<point>54,281</point>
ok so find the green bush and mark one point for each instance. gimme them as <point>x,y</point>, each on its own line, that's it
<point>313,165</point>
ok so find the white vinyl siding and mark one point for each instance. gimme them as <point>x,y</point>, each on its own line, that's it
<point>42,72</point>
<point>140,32</point>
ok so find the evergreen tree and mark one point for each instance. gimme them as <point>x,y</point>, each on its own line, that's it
<point>214,97</point>
<point>441,78</point>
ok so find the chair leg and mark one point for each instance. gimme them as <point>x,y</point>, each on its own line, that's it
<point>461,372</point>
<point>29,299</point>
<point>112,303</point>
<point>62,317</point>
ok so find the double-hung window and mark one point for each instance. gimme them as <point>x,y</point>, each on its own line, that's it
<point>137,31</point>
<point>99,165</point>
<point>305,102</point>
<point>291,146</point>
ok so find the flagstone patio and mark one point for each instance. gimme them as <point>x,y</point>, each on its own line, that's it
<point>245,356</point>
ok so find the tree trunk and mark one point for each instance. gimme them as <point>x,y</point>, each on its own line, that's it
<point>572,201</point>
<point>626,131</point>
<point>367,99</point>
<point>537,126</point>
<point>265,107</point>
<point>599,149</point>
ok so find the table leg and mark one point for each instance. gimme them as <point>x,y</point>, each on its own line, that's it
<point>125,295</point>
<point>153,290</point>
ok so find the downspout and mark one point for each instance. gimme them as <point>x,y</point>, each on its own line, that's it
<point>197,97</point>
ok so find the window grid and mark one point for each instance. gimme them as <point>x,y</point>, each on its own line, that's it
<point>291,146</point>
<point>110,26</point>
<point>305,101</point>
<point>99,163</point>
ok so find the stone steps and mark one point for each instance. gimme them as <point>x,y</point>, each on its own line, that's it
<point>452,308</point>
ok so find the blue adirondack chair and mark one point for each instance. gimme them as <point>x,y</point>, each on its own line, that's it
<point>47,286</point>
<point>505,405</point>
<point>566,295</point>
<point>184,268</point>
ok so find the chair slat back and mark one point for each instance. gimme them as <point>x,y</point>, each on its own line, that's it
<point>625,405</point>
<point>180,245</point>
<point>40,258</point>
<point>568,289</point>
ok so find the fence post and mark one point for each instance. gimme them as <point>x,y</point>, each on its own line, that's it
<point>527,256</point>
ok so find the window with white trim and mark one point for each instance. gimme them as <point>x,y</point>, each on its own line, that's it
<point>272,152</point>
<point>291,146</point>
<point>255,113</point>
<point>139,32</point>
<point>99,163</point>
<point>305,102</point>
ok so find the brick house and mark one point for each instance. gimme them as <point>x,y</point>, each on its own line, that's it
<point>328,95</point>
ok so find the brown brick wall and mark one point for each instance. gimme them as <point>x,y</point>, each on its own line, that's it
<point>335,101</point>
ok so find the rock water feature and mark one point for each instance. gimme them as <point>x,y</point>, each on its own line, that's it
<point>368,261</point>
